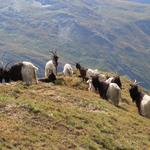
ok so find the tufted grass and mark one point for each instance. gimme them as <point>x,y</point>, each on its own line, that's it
<point>64,116</point>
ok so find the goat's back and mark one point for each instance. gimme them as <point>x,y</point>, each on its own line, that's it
<point>114,93</point>
<point>15,72</point>
<point>145,106</point>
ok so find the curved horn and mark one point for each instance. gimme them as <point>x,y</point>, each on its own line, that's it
<point>7,65</point>
<point>51,52</point>
<point>1,62</point>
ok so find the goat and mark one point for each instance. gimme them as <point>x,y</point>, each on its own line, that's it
<point>108,91</point>
<point>88,73</point>
<point>68,70</point>
<point>91,72</point>
<point>51,78</point>
<point>115,80</point>
<point>28,72</point>
<point>24,71</point>
<point>82,71</point>
<point>142,100</point>
<point>89,81</point>
<point>51,65</point>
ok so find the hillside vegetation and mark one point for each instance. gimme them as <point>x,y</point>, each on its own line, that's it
<point>66,116</point>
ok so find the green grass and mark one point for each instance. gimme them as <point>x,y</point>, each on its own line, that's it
<point>61,116</point>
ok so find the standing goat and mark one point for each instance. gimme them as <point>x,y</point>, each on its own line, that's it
<point>88,73</point>
<point>82,71</point>
<point>108,91</point>
<point>142,100</point>
<point>51,65</point>
<point>24,71</point>
<point>68,70</point>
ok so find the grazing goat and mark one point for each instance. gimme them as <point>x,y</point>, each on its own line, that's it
<point>108,91</point>
<point>68,70</point>
<point>115,80</point>
<point>24,71</point>
<point>142,100</point>
<point>51,65</point>
<point>51,78</point>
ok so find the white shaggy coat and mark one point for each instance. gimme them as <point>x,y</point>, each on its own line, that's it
<point>29,73</point>
<point>50,68</point>
<point>145,106</point>
<point>68,70</point>
<point>114,93</point>
<point>109,80</point>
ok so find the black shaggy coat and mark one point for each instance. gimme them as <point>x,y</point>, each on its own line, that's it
<point>82,71</point>
<point>11,74</point>
<point>1,75</point>
<point>15,72</point>
<point>100,86</point>
<point>136,96</point>
<point>51,78</point>
<point>117,81</point>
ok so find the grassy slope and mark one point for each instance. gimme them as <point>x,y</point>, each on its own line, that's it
<point>48,117</point>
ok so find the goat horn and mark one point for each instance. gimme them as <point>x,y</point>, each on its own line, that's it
<point>7,65</point>
<point>52,52</point>
<point>55,51</point>
<point>2,63</point>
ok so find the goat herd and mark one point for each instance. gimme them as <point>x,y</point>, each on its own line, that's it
<point>109,88</point>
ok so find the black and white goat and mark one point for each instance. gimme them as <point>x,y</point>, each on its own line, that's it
<point>51,65</point>
<point>101,77</point>
<point>88,73</point>
<point>142,100</point>
<point>108,91</point>
<point>115,80</point>
<point>24,71</point>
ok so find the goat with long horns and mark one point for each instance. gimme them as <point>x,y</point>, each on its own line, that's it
<point>51,65</point>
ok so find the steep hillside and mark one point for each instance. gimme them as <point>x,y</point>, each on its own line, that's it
<point>109,35</point>
<point>66,116</point>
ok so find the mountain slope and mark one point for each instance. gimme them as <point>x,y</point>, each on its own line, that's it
<point>62,116</point>
<point>109,35</point>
